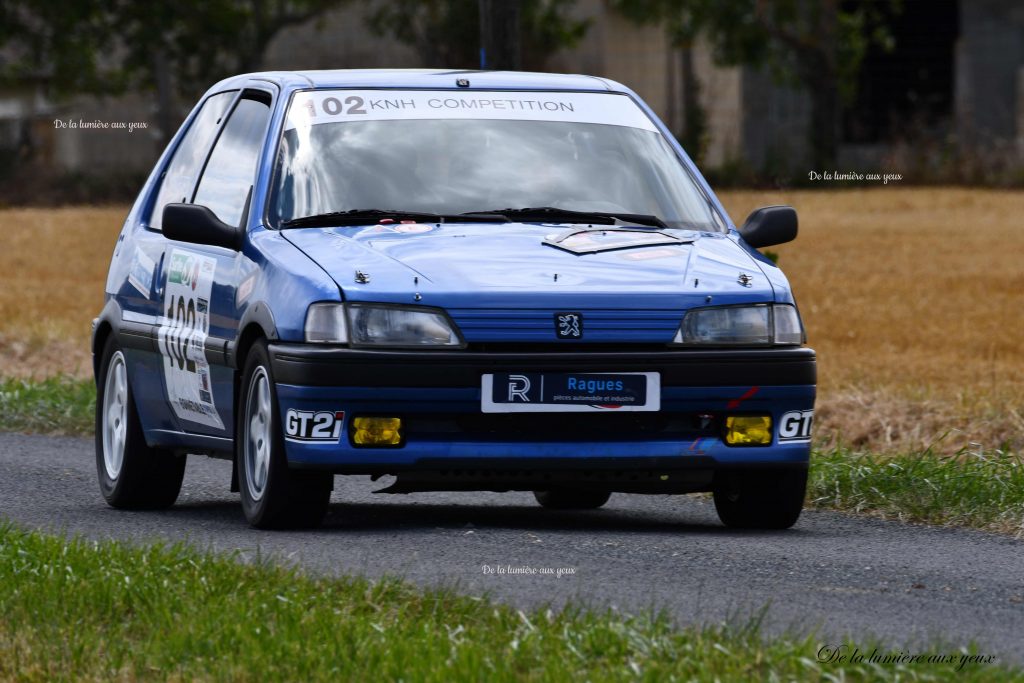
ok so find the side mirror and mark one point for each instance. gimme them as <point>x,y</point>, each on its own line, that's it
<point>768,226</point>
<point>197,224</point>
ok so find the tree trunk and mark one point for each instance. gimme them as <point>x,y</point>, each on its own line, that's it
<point>821,76</point>
<point>499,35</point>
<point>694,123</point>
<point>825,112</point>
<point>164,97</point>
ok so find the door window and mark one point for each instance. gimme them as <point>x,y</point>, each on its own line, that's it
<point>229,173</point>
<point>180,178</point>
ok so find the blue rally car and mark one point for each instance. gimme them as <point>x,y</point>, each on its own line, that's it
<point>469,281</point>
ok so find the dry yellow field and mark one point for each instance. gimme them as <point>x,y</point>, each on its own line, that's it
<point>54,263</point>
<point>913,298</point>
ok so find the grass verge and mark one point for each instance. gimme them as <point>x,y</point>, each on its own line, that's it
<point>72,609</point>
<point>58,405</point>
<point>980,489</point>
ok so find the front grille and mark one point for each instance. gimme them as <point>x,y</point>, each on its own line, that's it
<point>603,426</point>
<point>566,347</point>
<point>641,326</point>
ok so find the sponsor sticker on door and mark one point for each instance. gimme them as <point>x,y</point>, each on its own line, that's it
<point>184,326</point>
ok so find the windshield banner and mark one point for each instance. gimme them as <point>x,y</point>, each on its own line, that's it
<point>329,106</point>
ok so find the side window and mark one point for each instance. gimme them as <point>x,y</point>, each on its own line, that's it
<point>180,177</point>
<point>225,184</point>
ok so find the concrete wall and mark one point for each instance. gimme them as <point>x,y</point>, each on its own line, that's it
<point>639,57</point>
<point>643,58</point>
<point>775,122</point>
<point>990,55</point>
<point>721,98</point>
<point>337,40</point>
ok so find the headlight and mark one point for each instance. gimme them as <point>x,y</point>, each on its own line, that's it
<point>325,323</point>
<point>380,325</point>
<point>788,329</point>
<point>752,325</point>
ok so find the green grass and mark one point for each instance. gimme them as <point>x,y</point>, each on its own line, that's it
<point>981,489</point>
<point>58,405</point>
<point>72,609</point>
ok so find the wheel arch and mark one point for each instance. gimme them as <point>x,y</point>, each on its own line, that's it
<point>257,322</point>
<point>102,330</point>
<point>101,333</point>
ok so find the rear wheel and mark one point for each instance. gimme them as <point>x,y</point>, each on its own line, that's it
<point>572,499</point>
<point>273,495</point>
<point>761,499</point>
<point>131,474</point>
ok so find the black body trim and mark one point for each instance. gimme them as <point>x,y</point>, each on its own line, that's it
<point>312,365</point>
<point>145,337</point>
<point>214,446</point>
<point>650,475</point>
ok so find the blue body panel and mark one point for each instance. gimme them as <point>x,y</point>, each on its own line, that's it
<point>265,289</point>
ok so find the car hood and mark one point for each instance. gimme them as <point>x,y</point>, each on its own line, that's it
<point>487,264</point>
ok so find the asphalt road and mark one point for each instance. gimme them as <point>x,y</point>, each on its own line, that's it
<point>835,574</point>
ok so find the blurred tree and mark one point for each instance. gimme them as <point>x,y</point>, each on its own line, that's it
<point>60,43</point>
<point>177,49</point>
<point>814,44</point>
<point>446,33</point>
<point>500,34</point>
<point>181,48</point>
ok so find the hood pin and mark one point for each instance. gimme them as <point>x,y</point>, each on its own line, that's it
<point>362,278</point>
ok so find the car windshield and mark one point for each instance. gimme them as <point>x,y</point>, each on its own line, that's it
<point>445,152</point>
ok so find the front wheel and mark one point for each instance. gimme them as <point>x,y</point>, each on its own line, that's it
<point>761,499</point>
<point>571,499</point>
<point>132,475</point>
<point>273,495</point>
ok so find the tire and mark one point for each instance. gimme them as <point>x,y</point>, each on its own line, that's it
<point>273,495</point>
<point>131,474</point>
<point>572,499</point>
<point>761,499</point>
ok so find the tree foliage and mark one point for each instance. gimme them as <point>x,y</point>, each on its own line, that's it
<point>446,33</point>
<point>97,46</point>
<point>177,49</point>
<point>63,42</point>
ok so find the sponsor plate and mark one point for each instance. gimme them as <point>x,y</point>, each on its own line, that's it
<point>565,392</point>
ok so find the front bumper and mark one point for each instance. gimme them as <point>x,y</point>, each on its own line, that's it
<point>438,396</point>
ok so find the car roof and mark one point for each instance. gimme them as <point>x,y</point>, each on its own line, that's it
<point>424,78</point>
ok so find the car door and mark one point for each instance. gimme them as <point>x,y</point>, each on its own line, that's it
<point>141,294</point>
<point>199,316</point>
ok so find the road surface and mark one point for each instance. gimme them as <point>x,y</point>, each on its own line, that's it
<point>835,574</point>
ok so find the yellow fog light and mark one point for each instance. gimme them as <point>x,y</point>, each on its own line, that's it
<point>377,431</point>
<point>748,430</point>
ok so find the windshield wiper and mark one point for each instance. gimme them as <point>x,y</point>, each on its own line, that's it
<point>555,215</point>
<point>367,216</point>
<point>548,214</point>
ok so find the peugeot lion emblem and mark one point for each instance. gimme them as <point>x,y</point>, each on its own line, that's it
<point>569,325</point>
